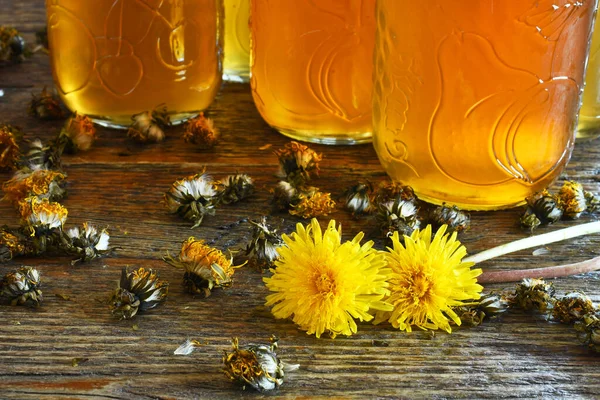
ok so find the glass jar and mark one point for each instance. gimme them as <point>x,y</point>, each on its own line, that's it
<point>475,101</point>
<point>236,62</point>
<point>589,115</point>
<point>312,64</point>
<point>115,58</point>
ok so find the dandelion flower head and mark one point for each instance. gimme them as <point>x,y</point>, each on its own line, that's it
<point>324,284</point>
<point>428,279</point>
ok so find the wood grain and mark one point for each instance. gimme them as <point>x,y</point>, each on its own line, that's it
<point>120,184</point>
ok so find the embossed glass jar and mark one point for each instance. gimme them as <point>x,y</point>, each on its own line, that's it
<point>312,64</point>
<point>236,62</point>
<point>589,115</point>
<point>475,101</point>
<point>115,58</point>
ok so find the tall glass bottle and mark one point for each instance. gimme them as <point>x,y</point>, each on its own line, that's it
<point>475,101</point>
<point>312,67</point>
<point>236,62</point>
<point>589,116</point>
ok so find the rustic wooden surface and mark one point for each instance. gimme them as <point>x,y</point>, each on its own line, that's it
<point>120,184</point>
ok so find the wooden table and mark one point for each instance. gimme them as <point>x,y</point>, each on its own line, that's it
<point>120,184</point>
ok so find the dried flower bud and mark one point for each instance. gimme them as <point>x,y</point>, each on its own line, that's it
<point>390,191</point>
<point>534,295</point>
<point>12,45</point>
<point>192,198</point>
<point>9,148</point>
<point>283,195</point>
<point>40,156</point>
<point>234,188</point>
<point>12,244</point>
<point>358,198</point>
<point>138,291</point>
<point>588,329</point>
<point>592,200</point>
<point>529,220</point>
<point>572,307</point>
<point>45,106</point>
<point>201,132</point>
<point>312,203</point>
<point>398,216</point>
<point>296,161</point>
<point>21,287</point>
<point>490,305</point>
<point>572,199</point>
<point>256,365</point>
<point>457,220</point>
<point>205,267</point>
<point>43,183</point>
<point>87,243</point>
<point>262,249</point>
<point>78,134</point>
<point>547,207</point>
<point>149,127</point>
<point>41,215</point>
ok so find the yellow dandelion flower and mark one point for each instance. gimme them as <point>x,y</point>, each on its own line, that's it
<point>428,279</point>
<point>323,284</point>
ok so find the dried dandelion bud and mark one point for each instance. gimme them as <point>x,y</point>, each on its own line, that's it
<point>9,148</point>
<point>78,134</point>
<point>87,243</point>
<point>12,244</point>
<point>390,191</point>
<point>312,203</point>
<point>358,198</point>
<point>201,132</point>
<point>192,198</point>
<point>592,201</point>
<point>588,330</point>
<point>572,307</point>
<point>545,206</point>
<point>283,195</point>
<point>42,215</point>
<point>490,305</point>
<point>43,183</point>
<point>40,156</point>
<point>529,220</point>
<point>149,127</point>
<point>457,220</point>
<point>12,45</point>
<point>21,287</point>
<point>45,106</point>
<point>296,161</point>
<point>234,188</point>
<point>256,365</point>
<point>398,216</point>
<point>138,291</point>
<point>572,199</point>
<point>534,295</point>
<point>262,249</point>
<point>205,267</point>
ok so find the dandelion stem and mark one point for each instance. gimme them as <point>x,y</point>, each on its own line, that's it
<point>542,273</point>
<point>534,241</point>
